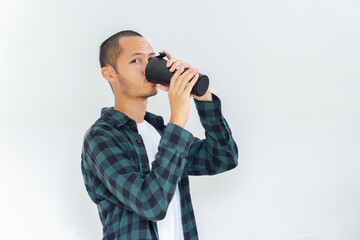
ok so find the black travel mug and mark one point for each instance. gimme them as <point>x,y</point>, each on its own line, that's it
<point>157,72</point>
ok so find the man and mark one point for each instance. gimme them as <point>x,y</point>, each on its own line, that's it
<point>135,168</point>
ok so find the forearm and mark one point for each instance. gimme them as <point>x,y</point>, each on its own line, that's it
<point>218,152</point>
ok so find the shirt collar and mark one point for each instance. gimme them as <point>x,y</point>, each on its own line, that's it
<point>119,118</point>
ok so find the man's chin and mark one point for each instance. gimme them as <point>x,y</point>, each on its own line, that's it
<point>150,94</point>
<point>155,92</point>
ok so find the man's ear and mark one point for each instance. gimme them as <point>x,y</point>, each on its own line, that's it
<point>109,74</point>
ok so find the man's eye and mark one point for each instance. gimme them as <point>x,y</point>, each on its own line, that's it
<point>134,61</point>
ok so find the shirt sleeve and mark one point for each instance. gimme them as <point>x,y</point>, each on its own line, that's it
<point>149,195</point>
<point>218,152</point>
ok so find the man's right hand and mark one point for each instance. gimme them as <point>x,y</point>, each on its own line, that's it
<point>179,90</point>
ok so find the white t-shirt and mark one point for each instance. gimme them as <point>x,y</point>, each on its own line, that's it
<point>170,227</point>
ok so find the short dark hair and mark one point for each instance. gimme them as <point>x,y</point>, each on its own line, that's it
<point>110,49</point>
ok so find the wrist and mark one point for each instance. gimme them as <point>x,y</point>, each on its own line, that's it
<point>206,97</point>
<point>177,123</point>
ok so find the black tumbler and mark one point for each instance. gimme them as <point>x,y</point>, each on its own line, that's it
<point>157,72</point>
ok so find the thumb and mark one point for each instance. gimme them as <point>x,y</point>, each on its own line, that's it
<point>165,88</point>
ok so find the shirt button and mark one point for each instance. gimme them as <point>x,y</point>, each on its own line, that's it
<point>139,141</point>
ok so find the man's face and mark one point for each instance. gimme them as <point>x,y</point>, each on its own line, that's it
<point>131,65</point>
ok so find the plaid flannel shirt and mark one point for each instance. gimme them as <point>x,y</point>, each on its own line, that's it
<point>130,198</point>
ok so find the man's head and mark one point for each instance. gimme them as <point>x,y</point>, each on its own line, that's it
<point>123,59</point>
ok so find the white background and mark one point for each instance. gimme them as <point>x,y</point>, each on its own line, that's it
<point>287,73</point>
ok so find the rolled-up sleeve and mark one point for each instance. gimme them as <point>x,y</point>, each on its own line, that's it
<point>218,152</point>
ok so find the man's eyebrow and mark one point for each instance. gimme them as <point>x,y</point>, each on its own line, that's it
<point>140,53</point>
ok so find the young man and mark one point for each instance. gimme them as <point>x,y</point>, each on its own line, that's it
<point>135,168</point>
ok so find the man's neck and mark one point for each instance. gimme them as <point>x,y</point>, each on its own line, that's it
<point>133,108</point>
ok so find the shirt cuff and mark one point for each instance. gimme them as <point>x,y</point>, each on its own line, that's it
<point>209,110</point>
<point>177,137</point>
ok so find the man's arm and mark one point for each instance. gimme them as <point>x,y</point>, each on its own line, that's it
<point>149,195</point>
<point>218,152</point>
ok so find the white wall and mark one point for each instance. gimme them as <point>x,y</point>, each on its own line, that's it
<point>287,73</point>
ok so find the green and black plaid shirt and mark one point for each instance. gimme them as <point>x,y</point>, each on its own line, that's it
<point>130,198</point>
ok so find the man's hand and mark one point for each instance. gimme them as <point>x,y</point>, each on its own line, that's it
<point>175,64</point>
<point>179,90</point>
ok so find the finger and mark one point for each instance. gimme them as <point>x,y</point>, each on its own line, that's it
<point>191,84</point>
<point>171,61</point>
<point>179,63</point>
<point>168,55</point>
<point>175,64</point>
<point>174,78</point>
<point>185,78</point>
<point>163,87</point>
<point>192,72</point>
<point>186,65</point>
